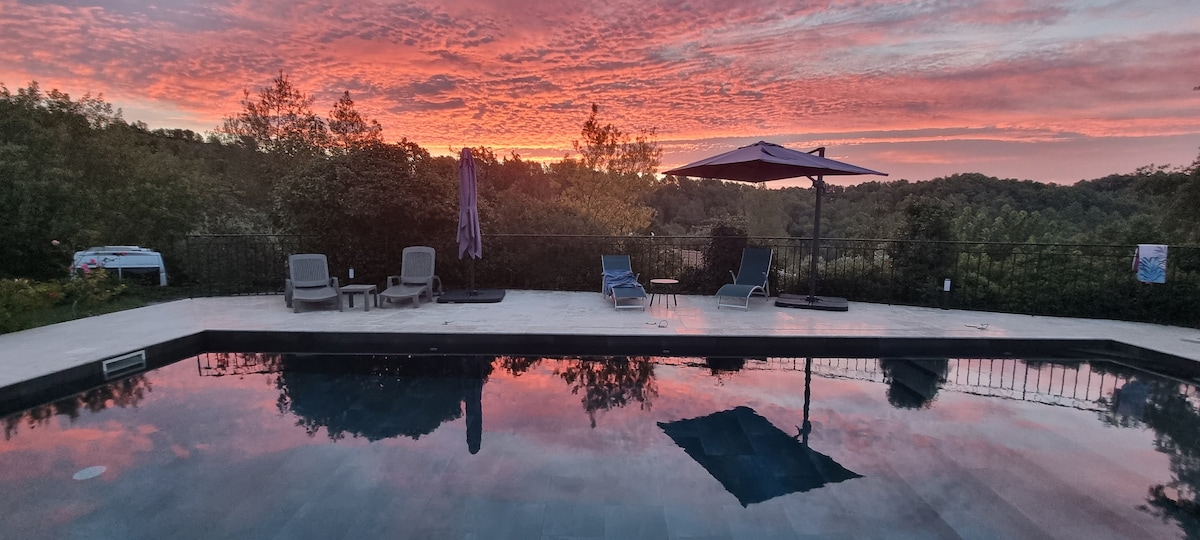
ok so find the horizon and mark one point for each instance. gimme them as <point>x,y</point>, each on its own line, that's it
<point>1054,91</point>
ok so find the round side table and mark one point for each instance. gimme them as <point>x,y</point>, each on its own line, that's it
<point>666,288</point>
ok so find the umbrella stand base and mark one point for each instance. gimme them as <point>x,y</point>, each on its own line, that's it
<point>804,301</point>
<point>472,296</point>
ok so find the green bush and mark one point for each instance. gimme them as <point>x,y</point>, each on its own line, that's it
<point>90,290</point>
<point>27,304</point>
<point>19,297</point>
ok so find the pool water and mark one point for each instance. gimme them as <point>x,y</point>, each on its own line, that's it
<point>325,446</point>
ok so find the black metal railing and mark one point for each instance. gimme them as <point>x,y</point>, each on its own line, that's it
<point>1049,279</point>
<point>219,265</point>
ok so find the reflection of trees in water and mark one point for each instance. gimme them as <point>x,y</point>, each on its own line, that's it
<point>1170,409</point>
<point>127,392</point>
<point>721,367</point>
<point>913,383</point>
<point>517,365</point>
<point>379,397</point>
<point>610,382</point>
<point>1176,423</point>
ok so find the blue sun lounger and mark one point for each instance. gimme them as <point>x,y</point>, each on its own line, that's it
<point>620,283</point>
<point>751,278</point>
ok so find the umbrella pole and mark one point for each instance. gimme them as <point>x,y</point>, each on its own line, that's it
<point>807,426</point>
<point>818,187</point>
<point>471,266</point>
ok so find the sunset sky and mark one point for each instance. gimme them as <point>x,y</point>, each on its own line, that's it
<point>1048,90</point>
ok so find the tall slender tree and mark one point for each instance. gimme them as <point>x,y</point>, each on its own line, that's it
<point>613,177</point>
<point>349,130</point>
<point>279,120</point>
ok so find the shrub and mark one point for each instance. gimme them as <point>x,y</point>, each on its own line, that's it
<point>21,296</point>
<point>89,290</point>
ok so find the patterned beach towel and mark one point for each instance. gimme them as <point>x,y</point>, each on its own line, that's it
<point>1150,263</point>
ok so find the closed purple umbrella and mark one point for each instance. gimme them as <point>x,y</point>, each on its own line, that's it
<point>470,240</point>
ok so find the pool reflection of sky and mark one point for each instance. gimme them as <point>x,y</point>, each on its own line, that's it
<point>574,447</point>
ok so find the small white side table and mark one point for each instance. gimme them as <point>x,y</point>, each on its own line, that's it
<point>666,288</point>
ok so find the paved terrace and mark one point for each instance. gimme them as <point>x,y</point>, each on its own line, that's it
<point>42,351</point>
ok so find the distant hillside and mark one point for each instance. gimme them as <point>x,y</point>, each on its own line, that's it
<point>1147,206</point>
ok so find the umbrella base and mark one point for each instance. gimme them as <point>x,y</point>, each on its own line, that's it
<point>804,301</point>
<point>473,296</point>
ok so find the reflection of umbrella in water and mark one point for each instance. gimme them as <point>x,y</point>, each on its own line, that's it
<point>380,397</point>
<point>752,458</point>
<point>763,162</point>
<point>470,240</point>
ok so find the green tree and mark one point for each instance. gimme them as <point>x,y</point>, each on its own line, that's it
<point>612,202</point>
<point>923,260</point>
<point>606,148</point>
<point>1180,218</point>
<point>348,129</point>
<point>280,120</point>
<point>612,178</point>
<point>75,172</point>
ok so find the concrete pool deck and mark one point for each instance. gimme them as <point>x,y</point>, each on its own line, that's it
<point>38,352</point>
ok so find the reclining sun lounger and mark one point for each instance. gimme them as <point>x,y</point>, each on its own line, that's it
<point>621,284</point>
<point>751,277</point>
<point>309,281</point>
<point>416,276</point>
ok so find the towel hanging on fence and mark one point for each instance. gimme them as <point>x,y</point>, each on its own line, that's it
<point>1150,263</point>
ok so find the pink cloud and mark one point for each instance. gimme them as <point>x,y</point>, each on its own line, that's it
<point>518,75</point>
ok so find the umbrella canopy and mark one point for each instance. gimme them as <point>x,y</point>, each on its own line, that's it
<point>764,161</point>
<point>752,458</point>
<point>470,241</point>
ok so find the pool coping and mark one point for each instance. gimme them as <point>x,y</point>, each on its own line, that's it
<point>553,323</point>
<point>82,377</point>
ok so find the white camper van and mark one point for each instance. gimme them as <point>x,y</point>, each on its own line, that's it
<point>125,261</point>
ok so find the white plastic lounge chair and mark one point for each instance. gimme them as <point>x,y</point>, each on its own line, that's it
<point>619,283</point>
<point>751,277</point>
<point>309,281</point>
<point>416,277</point>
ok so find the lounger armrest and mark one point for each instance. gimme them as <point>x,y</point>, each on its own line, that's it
<point>287,292</point>
<point>393,281</point>
<point>333,282</point>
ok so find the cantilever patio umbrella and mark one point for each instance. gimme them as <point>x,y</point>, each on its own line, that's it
<point>763,162</point>
<point>470,240</point>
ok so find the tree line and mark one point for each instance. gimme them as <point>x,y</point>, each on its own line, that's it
<point>74,173</point>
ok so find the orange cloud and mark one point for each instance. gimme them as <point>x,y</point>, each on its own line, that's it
<point>519,75</point>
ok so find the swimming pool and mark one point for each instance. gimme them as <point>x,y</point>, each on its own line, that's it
<point>236,445</point>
